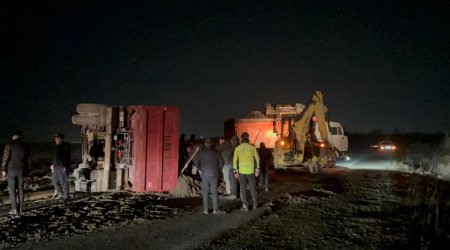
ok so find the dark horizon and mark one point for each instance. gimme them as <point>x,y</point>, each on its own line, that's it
<point>380,65</point>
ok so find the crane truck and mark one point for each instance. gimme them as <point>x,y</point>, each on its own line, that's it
<point>299,135</point>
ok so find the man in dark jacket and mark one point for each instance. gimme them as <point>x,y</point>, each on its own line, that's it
<point>60,167</point>
<point>209,162</point>
<point>15,165</point>
<point>182,152</point>
<point>266,159</point>
<point>234,185</point>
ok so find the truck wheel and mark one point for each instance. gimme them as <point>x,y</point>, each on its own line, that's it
<point>331,160</point>
<point>314,168</point>
<point>90,108</point>
<point>317,168</point>
<point>82,119</point>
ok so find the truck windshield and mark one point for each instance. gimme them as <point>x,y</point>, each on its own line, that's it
<point>333,130</point>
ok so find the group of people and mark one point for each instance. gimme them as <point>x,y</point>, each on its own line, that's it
<point>15,167</point>
<point>240,164</point>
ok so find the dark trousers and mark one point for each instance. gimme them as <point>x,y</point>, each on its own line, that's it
<point>209,184</point>
<point>60,180</point>
<point>249,179</point>
<point>234,184</point>
<point>15,179</point>
<point>264,179</point>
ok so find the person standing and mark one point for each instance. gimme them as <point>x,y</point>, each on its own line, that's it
<point>227,155</point>
<point>209,162</point>
<point>182,152</point>
<point>60,167</point>
<point>15,165</point>
<point>245,160</point>
<point>234,187</point>
<point>220,146</point>
<point>265,156</point>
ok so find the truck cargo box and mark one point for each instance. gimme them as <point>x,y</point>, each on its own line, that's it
<point>259,129</point>
<point>155,148</point>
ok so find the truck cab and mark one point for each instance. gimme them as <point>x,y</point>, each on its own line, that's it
<point>337,138</point>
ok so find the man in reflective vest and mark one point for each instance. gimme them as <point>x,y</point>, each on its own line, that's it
<point>246,168</point>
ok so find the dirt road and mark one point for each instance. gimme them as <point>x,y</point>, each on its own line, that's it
<point>339,208</point>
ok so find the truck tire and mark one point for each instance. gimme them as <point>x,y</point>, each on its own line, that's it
<point>314,168</point>
<point>91,108</point>
<point>83,119</point>
<point>331,160</point>
<point>317,168</point>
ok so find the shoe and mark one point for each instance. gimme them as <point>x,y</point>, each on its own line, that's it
<point>13,212</point>
<point>244,208</point>
<point>267,190</point>
<point>205,212</point>
<point>255,206</point>
<point>217,212</point>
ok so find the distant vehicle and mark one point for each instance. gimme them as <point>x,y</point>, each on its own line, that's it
<point>387,147</point>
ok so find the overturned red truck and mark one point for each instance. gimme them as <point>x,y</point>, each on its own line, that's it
<point>127,148</point>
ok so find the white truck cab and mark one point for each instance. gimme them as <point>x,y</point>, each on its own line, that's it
<point>336,136</point>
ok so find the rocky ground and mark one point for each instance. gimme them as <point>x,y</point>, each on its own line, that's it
<point>339,208</point>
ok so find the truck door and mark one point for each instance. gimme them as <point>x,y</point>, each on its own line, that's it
<point>338,138</point>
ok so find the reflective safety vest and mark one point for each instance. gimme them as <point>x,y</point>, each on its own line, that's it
<point>246,158</point>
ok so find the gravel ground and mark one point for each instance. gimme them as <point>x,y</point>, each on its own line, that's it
<point>339,208</point>
<point>362,210</point>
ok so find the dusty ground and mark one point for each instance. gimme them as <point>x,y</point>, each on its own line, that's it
<point>361,209</point>
<point>337,209</point>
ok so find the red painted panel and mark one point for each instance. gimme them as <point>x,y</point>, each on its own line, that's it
<point>260,130</point>
<point>170,148</point>
<point>155,148</point>
<point>155,134</point>
<point>139,130</point>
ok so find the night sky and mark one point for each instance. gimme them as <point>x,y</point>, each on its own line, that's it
<point>380,65</point>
